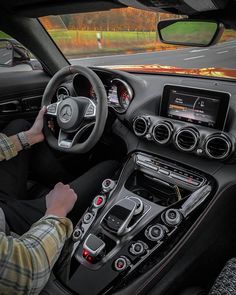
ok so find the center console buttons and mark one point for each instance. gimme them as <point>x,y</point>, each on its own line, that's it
<point>88,217</point>
<point>77,234</point>
<point>108,185</point>
<point>121,263</point>
<point>155,233</point>
<point>138,248</point>
<point>99,201</point>
<point>172,217</point>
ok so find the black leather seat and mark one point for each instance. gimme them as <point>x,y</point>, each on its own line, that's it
<point>225,283</point>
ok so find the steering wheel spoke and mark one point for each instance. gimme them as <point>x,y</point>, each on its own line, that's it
<point>91,110</point>
<point>67,140</point>
<point>52,109</point>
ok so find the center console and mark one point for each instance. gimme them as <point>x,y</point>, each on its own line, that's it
<point>133,223</point>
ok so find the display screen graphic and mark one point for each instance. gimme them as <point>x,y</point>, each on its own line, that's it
<point>193,108</point>
<point>197,106</point>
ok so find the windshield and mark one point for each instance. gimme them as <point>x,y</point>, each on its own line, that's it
<point>126,39</point>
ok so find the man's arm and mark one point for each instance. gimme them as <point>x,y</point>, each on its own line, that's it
<point>10,146</point>
<point>26,262</point>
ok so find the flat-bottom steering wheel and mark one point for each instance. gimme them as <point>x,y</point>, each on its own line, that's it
<point>74,115</point>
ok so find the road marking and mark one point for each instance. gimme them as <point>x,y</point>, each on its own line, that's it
<point>7,62</point>
<point>199,50</point>
<point>5,54</point>
<point>194,57</point>
<point>126,55</point>
<point>220,52</point>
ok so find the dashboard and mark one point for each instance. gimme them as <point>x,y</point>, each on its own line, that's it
<point>194,116</point>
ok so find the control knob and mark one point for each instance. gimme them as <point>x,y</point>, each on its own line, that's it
<point>138,248</point>
<point>173,217</point>
<point>108,185</point>
<point>155,232</point>
<point>121,263</point>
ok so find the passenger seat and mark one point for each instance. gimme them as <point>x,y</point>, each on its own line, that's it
<point>225,283</point>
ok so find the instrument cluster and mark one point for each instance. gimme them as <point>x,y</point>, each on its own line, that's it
<point>119,92</point>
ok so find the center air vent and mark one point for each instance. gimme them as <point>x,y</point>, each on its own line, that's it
<point>62,92</point>
<point>162,132</point>
<point>140,126</point>
<point>186,139</point>
<point>218,147</point>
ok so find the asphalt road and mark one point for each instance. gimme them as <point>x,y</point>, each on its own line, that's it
<point>220,55</point>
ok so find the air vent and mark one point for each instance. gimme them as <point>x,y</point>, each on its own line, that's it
<point>218,147</point>
<point>162,132</point>
<point>140,126</point>
<point>186,139</point>
<point>62,93</point>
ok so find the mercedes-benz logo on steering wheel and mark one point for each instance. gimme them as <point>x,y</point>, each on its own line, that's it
<point>66,113</point>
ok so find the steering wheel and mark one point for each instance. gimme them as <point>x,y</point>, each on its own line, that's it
<point>75,114</point>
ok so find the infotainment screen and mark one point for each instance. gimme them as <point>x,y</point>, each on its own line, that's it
<point>198,106</point>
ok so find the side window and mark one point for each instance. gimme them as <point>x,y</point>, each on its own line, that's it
<point>14,56</point>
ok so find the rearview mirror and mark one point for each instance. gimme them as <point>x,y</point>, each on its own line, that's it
<point>190,32</point>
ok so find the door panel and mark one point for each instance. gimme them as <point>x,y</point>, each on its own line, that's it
<point>21,95</point>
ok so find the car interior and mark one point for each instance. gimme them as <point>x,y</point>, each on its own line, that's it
<point>166,222</point>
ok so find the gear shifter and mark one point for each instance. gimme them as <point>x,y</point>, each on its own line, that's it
<point>174,217</point>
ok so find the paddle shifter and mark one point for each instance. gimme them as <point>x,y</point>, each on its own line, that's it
<point>173,216</point>
<point>118,218</point>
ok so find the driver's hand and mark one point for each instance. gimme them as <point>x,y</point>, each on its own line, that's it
<point>60,200</point>
<point>35,133</point>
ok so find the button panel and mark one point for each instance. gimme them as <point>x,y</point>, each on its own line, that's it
<point>169,171</point>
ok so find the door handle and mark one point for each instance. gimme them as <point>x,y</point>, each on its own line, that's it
<point>10,107</point>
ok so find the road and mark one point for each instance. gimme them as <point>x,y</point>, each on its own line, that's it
<point>220,55</point>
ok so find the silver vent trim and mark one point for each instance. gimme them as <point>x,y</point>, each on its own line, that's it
<point>165,125</point>
<point>62,91</point>
<point>209,150</point>
<point>191,133</point>
<point>140,120</point>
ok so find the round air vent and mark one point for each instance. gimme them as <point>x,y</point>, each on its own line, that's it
<point>62,92</point>
<point>140,126</point>
<point>186,139</point>
<point>162,132</point>
<point>218,146</point>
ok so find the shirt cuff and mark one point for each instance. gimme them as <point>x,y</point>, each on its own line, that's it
<point>7,147</point>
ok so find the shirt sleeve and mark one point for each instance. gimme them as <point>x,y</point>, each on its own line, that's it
<point>7,148</point>
<point>26,262</point>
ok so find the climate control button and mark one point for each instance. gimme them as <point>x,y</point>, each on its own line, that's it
<point>155,232</point>
<point>138,248</point>
<point>88,217</point>
<point>121,263</point>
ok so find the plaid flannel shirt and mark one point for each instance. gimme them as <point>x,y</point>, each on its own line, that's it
<point>7,148</point>
<point>26,262</point>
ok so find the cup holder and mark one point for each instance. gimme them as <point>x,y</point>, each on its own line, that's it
<point>155,190</point>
